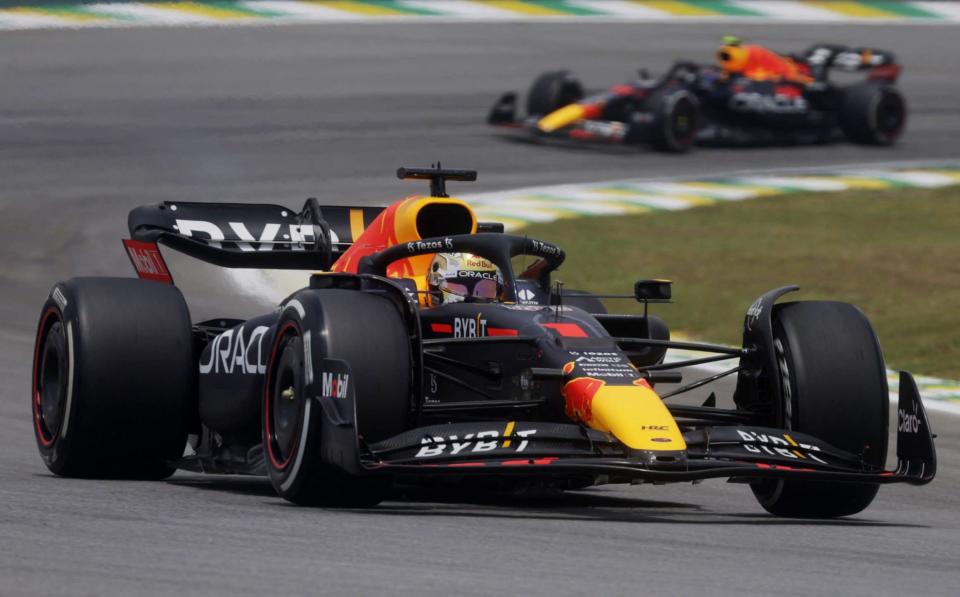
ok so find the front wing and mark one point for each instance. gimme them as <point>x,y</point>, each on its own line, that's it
<point>503,116</point>
<point>557,450</point>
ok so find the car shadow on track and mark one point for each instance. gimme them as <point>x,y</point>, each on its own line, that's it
<point>238,484</point>
<point>586,506</point>
<point>539,504</point>
<point>612,149</point>
<point>576,146</point>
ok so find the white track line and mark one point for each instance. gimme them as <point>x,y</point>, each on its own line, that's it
<point>463,9</point>
<point>949,10</point>
<point>304,11</point>
<point>623,8</point>
<point>13,20</point>
<point>790,11</point>
<point>806,184</point>
<point>150,14</point>
<point>930,180</point>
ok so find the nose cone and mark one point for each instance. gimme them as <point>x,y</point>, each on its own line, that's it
<point>563,117</point>
<point>633,414</point>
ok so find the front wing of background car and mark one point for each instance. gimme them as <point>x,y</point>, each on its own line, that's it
<point>558,450</point>
<point>503,116</point>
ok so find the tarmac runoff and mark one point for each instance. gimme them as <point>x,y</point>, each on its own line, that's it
<point>81,14</point>
<point>520,207</point>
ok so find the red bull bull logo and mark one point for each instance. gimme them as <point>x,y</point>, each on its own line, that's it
<point>633,413</point>
<point>578,396</point>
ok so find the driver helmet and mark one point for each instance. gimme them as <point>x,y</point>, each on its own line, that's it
<point>459,277</point>
<point>732,55</point>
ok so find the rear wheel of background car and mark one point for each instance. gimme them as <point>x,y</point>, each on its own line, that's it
<point>835,389</point>
<point>369,333</point>
<point>676,117</point>
<point>873,113</point>
<point>114,376</point>
<point>553,90</point>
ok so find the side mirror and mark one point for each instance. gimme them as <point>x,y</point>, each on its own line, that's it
<point>653,290</point>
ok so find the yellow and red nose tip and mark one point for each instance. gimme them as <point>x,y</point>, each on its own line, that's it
<point>633,414</point>
<point>566,116</point>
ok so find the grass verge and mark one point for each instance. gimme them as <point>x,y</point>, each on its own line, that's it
<point>893,253</point>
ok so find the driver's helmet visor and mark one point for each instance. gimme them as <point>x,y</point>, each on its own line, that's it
<point>476,287</point>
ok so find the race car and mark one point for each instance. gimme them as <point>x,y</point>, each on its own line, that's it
<point>414,344</point>
<point>753,96</point>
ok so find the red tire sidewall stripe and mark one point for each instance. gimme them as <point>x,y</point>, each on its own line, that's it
<point>268,399</point>
<point>41,335</point>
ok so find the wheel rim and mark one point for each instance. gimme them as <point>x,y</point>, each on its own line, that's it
<point>680,122</point>
<point>283,407</point>
<point>769,490</point>
<point>890,116</point>
<point>50,379</point>
<point>684,121</point>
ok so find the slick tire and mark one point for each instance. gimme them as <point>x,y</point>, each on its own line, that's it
<point>873,113</point>
<point>369,333</point>
<point>675,121</point>
<point>114,376</point>
<point>553,90</point>
<point>835,389</point>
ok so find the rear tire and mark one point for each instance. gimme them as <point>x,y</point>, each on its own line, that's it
<point>551,91</point>
<point>873,113</point>
<point>835,389</point>
<point>676,120</point>
<point>369,333</point>
<point>114,376</point>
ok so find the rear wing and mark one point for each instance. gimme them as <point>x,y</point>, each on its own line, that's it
<point>252,235</point>
<point>821,58</point>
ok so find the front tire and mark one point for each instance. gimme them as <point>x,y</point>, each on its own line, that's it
<point>366,331</point>
<point>114,376</point>
<point>553,90</point>
<point>835,389</point>
<point>676,120</point>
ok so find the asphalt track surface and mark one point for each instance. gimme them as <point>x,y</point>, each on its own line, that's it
<point>95,122</point>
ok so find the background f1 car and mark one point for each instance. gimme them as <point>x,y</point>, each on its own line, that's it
<point>706,104</point>
<point>356,381</point>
